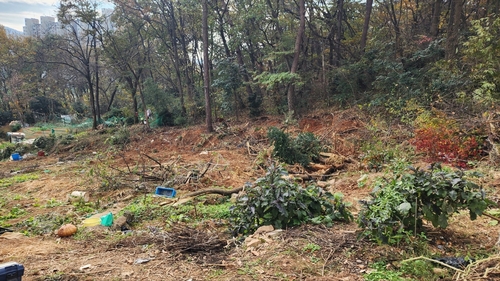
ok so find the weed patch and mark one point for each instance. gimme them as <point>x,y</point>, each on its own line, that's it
<point>6,182</point>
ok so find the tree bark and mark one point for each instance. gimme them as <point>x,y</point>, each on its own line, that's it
<point>366,25</point>
<point>338,37</point>
<point>206,71</point>
<point>453,28</point>
<point>295,63</point>
<point>436,16</point>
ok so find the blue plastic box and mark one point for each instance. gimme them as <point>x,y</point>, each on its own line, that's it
<point>11,271</point>
<point>165,192</point>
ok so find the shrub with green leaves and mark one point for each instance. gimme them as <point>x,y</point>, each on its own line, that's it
<point>302,150</point>
<point>275,200</point>
<point>401,203</point>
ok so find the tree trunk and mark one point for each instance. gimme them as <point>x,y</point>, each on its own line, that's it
<point>98,107</point>
<point>92,101</point>
<point>338,38</point>
<point>206,72</point>
<point>366,25</point>
<point>295,63</point>
<point>436,16</point>
<point>453,29</point>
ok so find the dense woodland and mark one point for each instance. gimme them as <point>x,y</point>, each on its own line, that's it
<point>194,61</point>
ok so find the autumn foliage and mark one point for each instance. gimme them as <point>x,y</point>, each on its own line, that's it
<point>443,141</point>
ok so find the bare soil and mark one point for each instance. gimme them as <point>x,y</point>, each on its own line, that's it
<point>153,253</point>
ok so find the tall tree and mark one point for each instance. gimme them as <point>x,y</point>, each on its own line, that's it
<point>366,25</point>
<point>436,17</point>
<point>453,31</point>
<point>206,72</point>
<point>296,56</point>
<point>78,45</point>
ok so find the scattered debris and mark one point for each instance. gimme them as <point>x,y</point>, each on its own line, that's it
<point>83,267</point>
<point>141,261</point>
<point>3,230</point>
<point>457,262</point>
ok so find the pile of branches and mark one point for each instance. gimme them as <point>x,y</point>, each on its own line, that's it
<point>179,238</point>
<point>485,269</point>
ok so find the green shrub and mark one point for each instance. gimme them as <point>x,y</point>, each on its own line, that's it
<point>15,127</point>
<point>302,150</point>
<point>45,142</point>
<point>402,202</point>
<point>274,200</point>
<point>7,150</point>
<point>120,137</point>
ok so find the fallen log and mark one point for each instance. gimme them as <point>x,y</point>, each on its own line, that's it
<point>223,192</point>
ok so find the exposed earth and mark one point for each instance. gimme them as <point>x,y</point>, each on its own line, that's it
<point>195,160</point>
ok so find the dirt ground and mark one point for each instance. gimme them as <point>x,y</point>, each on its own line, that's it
<point>228,159</point>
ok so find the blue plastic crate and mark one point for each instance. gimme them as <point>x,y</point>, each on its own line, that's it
<point>11,271</point>
<point>165,191</point>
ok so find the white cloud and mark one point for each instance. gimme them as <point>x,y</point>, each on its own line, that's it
<point>32,2</point>
<point>12,14</point>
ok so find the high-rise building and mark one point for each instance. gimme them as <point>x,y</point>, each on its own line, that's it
<point>47,25</point>
<point>31,27</point>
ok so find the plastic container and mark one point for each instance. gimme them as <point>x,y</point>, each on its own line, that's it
<point>16,156</point>
<point>92,221</point>
<point>165,191</point>
<point>11,271</point>
<point>107,220</point>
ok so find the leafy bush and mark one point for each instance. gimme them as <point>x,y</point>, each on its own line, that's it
<point>44,142</point>
<point>15,127</point>
<point>121,137</point>
<point>7,150</point>
<point>402,202</point>
<point>302,150</point>
<point>274,200</point>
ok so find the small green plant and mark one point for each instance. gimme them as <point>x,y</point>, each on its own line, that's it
<point>51,203</point>
<point>15,212</point>
<point>400,203</point>
<point>303,149</point>
<point>275,200</point>
<point>381,273</point>
<point>311,248</point>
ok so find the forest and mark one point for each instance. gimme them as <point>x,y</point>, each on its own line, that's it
<point>396,58</point>
<point>294,140</point>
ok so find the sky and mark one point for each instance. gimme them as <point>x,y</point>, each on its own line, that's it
<point>13,12</point>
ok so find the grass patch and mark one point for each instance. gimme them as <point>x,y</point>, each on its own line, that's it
<point>145,209</point>
<point>18,179</point>
<point>15,212</point>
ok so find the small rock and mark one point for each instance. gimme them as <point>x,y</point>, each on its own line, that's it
<point>139,261</point>
<point>83,267</point>
<point>119,223</point>
<point>275,233</point>
<point>359,261</point>
<point>264,229</point>
<point>252,242</point>
<point>439,271</point>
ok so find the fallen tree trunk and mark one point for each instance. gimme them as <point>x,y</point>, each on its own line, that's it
<point>213,191</point>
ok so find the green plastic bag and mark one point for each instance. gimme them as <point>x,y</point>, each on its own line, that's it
<point>107,220</point>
